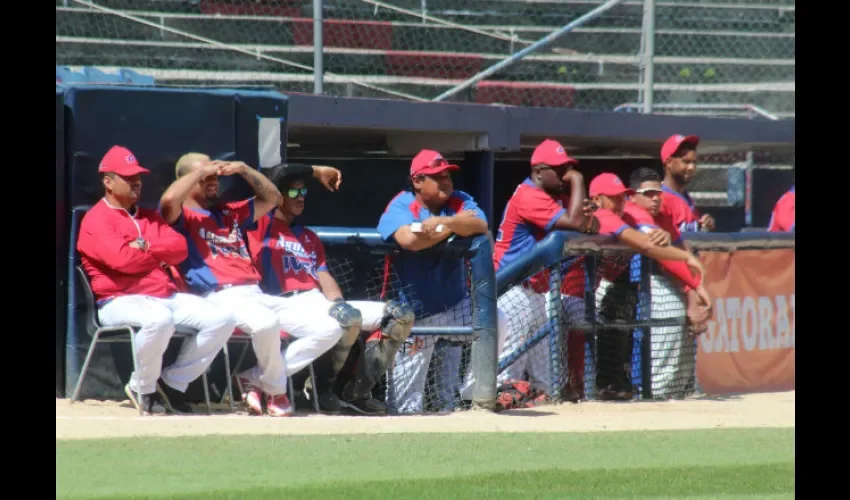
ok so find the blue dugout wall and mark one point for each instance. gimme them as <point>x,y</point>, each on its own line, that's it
<point>160,124</point>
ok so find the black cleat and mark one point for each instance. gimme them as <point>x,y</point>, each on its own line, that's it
<point>173,400</point>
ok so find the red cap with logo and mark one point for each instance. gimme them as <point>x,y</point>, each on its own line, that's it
<point>120,160</point>
<point>673,142</point>
<point>429,162</point>
<point>551,153</point>
<point>608,185</point>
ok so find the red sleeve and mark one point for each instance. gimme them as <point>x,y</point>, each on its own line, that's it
<point>165,243</point>
<point>680,270</point>
<point>609,222</point>
<point>538,208</point>
<point>636,216</point>
<point>244,211</point>
<point>100,242</point>
<point>665,222</point>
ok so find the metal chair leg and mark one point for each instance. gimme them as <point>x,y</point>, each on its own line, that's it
<point>229,377</point>
<point>89,355</point>
<point>291,392</point>
<point>136,371</point>
<point>207,393</point>
<point>315,392</point>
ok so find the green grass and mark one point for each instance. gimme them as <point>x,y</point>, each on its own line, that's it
<point>723,463</point>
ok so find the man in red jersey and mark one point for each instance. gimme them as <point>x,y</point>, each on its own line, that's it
<point>616,297</point>
<point>291,260</point>
<point>783,217</point>
<point>549,199</point>
<point>679,156</point>
<point>125,250</point>
<point>673,350</point>
<point>219,268</point>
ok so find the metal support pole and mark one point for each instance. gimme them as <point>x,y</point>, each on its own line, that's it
<point>551,37</point>
<point>318,46</point>
<point>647,59</point>
<point>748,190</point>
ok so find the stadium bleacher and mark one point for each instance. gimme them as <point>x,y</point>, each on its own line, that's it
<point>708,52</point>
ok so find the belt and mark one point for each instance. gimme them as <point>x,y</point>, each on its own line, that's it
<point>293,293</point>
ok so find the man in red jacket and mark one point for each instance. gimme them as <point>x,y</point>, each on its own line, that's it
<point>125,250</point>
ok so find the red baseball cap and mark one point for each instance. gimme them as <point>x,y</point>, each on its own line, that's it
<point>120,160</point>
<point>429,162</point>
<point>673,142</point>
<point>609,185</point>
<point>551,153</point>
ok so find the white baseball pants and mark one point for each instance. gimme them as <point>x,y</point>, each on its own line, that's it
<point>157,319</point>
<point>673,350</point>
<point>527,311</point>
<point>407,378</point>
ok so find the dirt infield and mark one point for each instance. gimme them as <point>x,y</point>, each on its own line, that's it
<point>102,419</point>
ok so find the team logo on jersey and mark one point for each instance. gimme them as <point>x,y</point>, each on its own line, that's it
<point>229,245</point>
<point>296,259</point>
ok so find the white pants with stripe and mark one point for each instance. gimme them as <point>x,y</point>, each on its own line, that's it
<point>527,311</point>
<point>157,319</point>
<point>263,316</point>
<point>673,350</point>
<point>407,378</point>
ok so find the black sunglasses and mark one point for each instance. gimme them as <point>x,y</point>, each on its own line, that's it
<point>294,192</point>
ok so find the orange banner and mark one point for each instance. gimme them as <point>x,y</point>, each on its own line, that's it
<point>749,344</point>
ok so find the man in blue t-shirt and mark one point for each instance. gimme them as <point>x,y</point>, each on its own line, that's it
<point>417,219</point>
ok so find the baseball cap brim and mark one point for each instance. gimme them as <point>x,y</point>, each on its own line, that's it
<point>127,170</point>
<point>437,169</point>
<point>562,161</point>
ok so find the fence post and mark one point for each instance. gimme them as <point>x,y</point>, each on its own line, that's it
<point>485,355</point>
<point>648,55</point>
<point>555,307</point>
<point>318,46</point>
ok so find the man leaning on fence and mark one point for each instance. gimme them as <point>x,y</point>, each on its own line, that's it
<point>426,214</point>
<point>125,251</point>
<point>616,297</point>
<point>291,259</point>
<point>551,198</point>
<point>674,293</point>
<point>220,268</point>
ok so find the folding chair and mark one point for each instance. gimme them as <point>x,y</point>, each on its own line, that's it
<point>285,338</point>
<point>118,333</point>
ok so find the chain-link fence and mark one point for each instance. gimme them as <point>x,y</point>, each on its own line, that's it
<point>710,57</point>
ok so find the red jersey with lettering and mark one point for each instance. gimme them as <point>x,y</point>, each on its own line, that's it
<point>114,268</point>
<point>681,209</point>
<point>640,219</point>
<point>783,217</point>
<point>288,258</point>
<point>218,255</point>
<point>529,216</point>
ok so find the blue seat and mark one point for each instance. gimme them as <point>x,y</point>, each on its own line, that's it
<point>94,75</point>
<point>65,75</point>
<point>132,77</point>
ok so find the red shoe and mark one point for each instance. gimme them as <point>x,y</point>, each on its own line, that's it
<point>278,406</point>
<point>252,397</point>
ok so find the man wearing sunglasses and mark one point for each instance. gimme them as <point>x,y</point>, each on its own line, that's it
<point>551,198</point>
<point>616,296</point>
<point>291,260</point>
<point>220,268</point>
<point>673,351</point>
<point>426,214</point>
